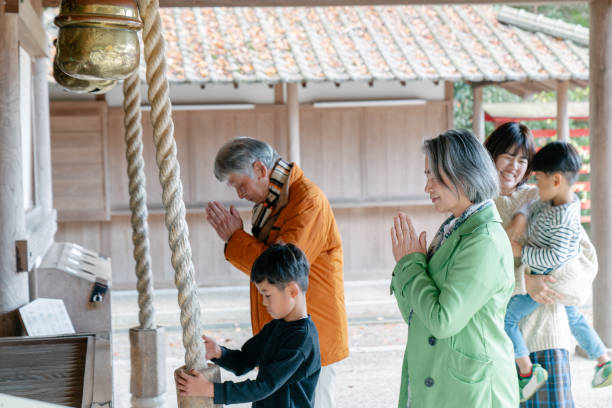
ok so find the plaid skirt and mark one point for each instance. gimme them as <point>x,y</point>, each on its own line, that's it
<point>557,392</point>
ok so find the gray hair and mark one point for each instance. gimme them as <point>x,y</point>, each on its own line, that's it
<point>466,163</point>
<point>239,154</point>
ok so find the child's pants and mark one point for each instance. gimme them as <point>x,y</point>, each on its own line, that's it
<point>523,305</point>
<point>586,337</point>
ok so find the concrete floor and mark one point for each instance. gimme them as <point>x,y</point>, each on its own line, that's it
<point>369,377</point>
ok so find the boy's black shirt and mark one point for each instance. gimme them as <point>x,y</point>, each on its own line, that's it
<point>287,354</point>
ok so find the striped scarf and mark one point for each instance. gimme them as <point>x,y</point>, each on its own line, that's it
<point>451,224</point>
<point>262,211</point>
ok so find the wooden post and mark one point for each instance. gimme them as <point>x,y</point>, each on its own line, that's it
<point>478,118</point>
<point>562,111</point>
<point>294,123</point>
<point>600,102</point>
<point>148,363</point>
<point>449,97</point>
<point>42,135</point>
<point>278,94</point>
<point>13,285</point>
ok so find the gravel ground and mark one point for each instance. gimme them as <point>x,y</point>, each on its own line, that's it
<point>369,377</point>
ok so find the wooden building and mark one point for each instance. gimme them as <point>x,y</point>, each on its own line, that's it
<point>371,83</point>
<point>365,157</point>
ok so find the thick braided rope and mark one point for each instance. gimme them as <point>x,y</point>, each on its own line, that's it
<point>172,188</point>
<point>138,200</point>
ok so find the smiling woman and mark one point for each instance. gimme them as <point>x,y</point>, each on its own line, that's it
<point>512,147</point>
<point>453,294</point>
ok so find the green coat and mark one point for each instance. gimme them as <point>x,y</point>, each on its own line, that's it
<point>458,354</point>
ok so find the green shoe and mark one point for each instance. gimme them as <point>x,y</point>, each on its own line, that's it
<point>529,385</point>
<point>603,376</point>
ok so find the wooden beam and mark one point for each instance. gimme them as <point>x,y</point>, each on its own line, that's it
<point>14,291</point>
<point>11,6</point>
<point>562,111</point>
<point>31,34</point>
<point>478,117</point>
<point>600,101</point>
<point>318,3</point>
<point>294,122</point>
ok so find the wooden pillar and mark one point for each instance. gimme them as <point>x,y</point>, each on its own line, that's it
<point>562,111</point>
<point>600,102</point>
<point>279,98</point>
<point>42,135</point>
<point>13,284</point>
<point>449,97</point>
<point>478,118</point>
<point>294,123</point>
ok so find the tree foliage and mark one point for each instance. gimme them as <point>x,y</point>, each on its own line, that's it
<point>463,98</point>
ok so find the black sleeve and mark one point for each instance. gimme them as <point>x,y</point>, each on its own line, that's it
<point>270,378</point>
<point>240,361</point>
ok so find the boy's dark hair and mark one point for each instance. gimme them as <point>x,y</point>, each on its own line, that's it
<point>559,157</point>
<point>280,265</point>
<point>508,136</point>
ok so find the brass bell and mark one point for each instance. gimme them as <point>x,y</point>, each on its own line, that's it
<point>94,86</point>
<point>98,39</point>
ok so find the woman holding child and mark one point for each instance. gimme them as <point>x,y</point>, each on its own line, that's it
<point>545,331</point>
<point>453,294</point>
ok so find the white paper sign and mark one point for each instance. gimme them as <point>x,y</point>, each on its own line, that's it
<point>46,317</point>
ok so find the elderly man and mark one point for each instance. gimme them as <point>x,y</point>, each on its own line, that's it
<point>289,208</point>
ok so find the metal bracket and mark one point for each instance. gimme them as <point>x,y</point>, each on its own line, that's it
<point>98,292</point>
<point>24,255</point>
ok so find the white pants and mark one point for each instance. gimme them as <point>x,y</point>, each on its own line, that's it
<point>326,387</point>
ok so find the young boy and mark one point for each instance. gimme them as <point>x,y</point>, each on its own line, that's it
<point>286,350</point>
<point>553,239</point>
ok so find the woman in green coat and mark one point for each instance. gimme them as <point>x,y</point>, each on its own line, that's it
<point>453,295</point>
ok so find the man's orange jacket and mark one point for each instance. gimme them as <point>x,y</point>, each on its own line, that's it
<point>307,221</point>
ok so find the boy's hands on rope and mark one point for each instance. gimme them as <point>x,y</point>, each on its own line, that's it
<point>224,221</point>
<point>193,384</point>
<point>212,348</point>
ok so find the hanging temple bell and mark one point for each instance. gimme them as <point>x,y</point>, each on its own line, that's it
<point>98,39</point>
<point>93,86</point>
<point>75,85</point>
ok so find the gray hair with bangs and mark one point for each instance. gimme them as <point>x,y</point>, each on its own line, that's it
<point>466,163</point>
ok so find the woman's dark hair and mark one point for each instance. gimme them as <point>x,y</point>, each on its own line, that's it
<point>558,157</point>
<point>280,265</point>
<point>509,136</point>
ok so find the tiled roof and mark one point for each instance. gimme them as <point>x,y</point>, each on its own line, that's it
<point>271,45</point>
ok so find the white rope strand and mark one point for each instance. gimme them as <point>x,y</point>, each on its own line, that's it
<point>138,200</point>
<point>172,188</point>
